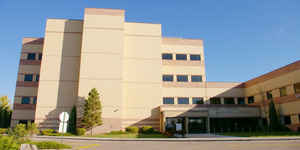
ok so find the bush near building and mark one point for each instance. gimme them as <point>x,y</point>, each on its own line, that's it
<point>147,129</point>
<point>80,131</point>
<point>132,129</point>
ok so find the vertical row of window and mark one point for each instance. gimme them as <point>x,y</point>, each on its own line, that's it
<point>182,78</point>
<point>29,77</point>
<point>26,100</point>
<point>32,56</point>
<point>183,100</point>
<point>193,57</point>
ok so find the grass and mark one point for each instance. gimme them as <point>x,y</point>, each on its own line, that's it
<point>50,145</point>
<point>130,135</point>
<point>261,134</point>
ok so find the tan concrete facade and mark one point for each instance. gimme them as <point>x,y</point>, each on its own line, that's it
<point>141,76</point>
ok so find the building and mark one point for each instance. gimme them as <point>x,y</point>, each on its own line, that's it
<point>143,79</point>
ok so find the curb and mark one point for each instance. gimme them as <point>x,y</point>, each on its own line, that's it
<point>229,139</point>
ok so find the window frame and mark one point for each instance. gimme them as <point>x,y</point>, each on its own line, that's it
<point>166,54</point>
<point>169,75</point>
<point>31,56</point>
<point>241,99</point>
<point>215,99</point>
<point>187,99</point>
<point>297,91</point>
<point>252,99</point>
<point>168,98</point>
<point>282,94</point>
<point>269,95</point>
<point>40,56</point>
<point>200,99</point>
<point>201,79</point>
<point>177,57</point>
<point>227,99</point>
<point>23,100</point>
<point>177,78</point>
<point>195,59</point>
<point>26,77</point>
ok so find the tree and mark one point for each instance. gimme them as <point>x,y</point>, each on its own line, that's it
<point>72,121</point>
<point>5,112</point>
<point>274,123</point>
<point>92,110</point>
<point>4,103</point>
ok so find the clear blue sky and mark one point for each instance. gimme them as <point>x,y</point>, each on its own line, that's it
<point>242,38</point>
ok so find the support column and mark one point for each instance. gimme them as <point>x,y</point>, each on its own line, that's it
<point>186,124</point>
<point>208,123</point>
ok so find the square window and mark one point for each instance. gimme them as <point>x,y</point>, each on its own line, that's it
<point>282,91</point>
<point>40,56</point>
<point>194,57</point>
<point>167,56</point>
<point>215,100</point>
<point>168,100</point>
<point>183,100</point>
<point>28,77</point>
<point>182,78</point>
<point>196,78</point>
<point>269,95</point>
<point>25,100</point>
<point>241,100</point>
<point>168,78</point>
<point>34,100</point>
<point>198,100</point>
<point>229,100</point>
<point>181,57</point>
<point>297,88</point>
<point>287,120</point>
<point>250,99</point>
<point>31,56</point>
<point>37,78</point>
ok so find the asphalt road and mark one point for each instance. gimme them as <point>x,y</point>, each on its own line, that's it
<point>164,145</point>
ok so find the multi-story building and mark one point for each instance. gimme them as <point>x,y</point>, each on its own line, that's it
<point>142,77</point>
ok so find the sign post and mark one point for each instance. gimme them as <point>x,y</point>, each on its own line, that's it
<point>63,117</point>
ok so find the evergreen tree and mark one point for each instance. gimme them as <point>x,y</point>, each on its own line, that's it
<point>72,121</point>
<point>92,110</point>
<point>274,124</point>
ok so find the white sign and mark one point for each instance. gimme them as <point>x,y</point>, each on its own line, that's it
<point>178,126</point>
<point>63,117</point>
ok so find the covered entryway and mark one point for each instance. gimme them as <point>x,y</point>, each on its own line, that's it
<point>197,125</point>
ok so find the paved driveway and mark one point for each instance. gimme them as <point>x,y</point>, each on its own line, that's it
<point>164,145</point>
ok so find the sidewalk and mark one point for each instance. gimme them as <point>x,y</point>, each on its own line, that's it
<point>204,139</point>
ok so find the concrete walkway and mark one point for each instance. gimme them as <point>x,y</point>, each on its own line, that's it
<point>188,139</point>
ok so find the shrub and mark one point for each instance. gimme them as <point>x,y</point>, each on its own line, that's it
<point>8,143</point>
<point>117,132</point>
<point>32,129</point>
<point>147,129</point>
<point>51,145</point>
<point>20,131</point>
<point>3,131</point>
<point>80,131</point>
<point>47,131</point>
<point>132,129</point>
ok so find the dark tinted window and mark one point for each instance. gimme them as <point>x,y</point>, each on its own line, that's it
<point>31,56</point>
<point>269,95</point>
<point>297,88</point>
<point>168,100</point>
<point>40,56</point>
<point>229,100</point>
<point>34,100</point>
<point>167,56</point>
<point>168,78</point>
<point>287,120</point>
<point>250,99</point>
<point>181,57</point>
<point>182,78</point>
<point>282,91</point>
<point>197,100</point>
<point>23,122</point>
<point>241,100</point>
<point>195,57</point>
<point>37,78</point>
<point>183,100</point>
<point>25,100</point>
<point>196,78</point>
<point>215,100</point>
<point>28,77</point>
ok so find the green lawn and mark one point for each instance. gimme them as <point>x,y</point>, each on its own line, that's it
<point>261,134</point>
<point>130,135</point>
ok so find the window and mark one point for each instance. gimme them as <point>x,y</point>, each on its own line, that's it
<point>197,100</point>
<point>168,100</point>
<point>241,100</point>
<point>229,100</point>
<point>195,57</point>
<point>196,78</point>
<point>287,120</point>
<point>183,100</point>
<point>34,100</point>
<point>269,95</point>
<point>25,100</point>
<point>282,91</point>
<point>181,57</point>
<point>23,122</point>
<point>182,78</point>
<point>215,100</point>
<point>168,78</point>
<point>297,88</point>
<point>250,99</point>
<point>28,77</point>
<point>31,56</point>
<point>40,56</point>
<point>37,78</point>
<point>167,56</point>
